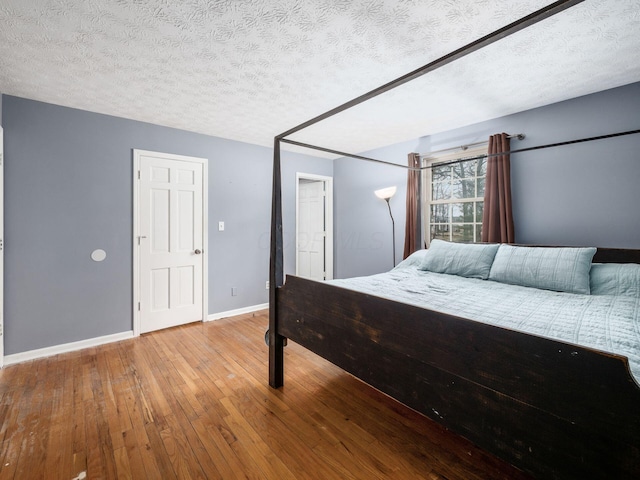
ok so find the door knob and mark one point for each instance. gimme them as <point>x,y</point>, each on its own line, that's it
<point>198,251</point>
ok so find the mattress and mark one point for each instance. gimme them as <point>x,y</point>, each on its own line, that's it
<point>604,322</point>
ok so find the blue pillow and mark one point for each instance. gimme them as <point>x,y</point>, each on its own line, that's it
<point>413,260</point>
<point>471,260</point>
<point>615,279</point>
<point>559,269</point>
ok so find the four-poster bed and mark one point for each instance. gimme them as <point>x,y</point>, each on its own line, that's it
<point>551,408</point>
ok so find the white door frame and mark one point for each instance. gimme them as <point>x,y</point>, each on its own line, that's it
<point>328,219</point>
<point>136,230</point>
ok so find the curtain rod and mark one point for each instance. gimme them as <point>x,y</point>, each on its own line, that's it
<point>519,136</point>
<point>537,147</point>
<point>459,160</point>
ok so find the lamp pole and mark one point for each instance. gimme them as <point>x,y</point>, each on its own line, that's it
<point>386,194</point>
<point>393,231</point>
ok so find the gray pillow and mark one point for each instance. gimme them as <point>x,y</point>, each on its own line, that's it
<point>615,279</point>
<point>560,269</point>
<point>414,260</point>
<point>471,260</point>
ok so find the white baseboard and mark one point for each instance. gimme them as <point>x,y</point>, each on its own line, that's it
<point>65,347</point>
<point>238,311</point>
<point>116,337</point>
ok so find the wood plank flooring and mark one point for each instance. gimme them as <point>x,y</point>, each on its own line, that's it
<point>193,402</point>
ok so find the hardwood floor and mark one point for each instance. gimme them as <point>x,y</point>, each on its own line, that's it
<point>193,402</point>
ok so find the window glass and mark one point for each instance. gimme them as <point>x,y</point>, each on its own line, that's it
<point>482,167</point>
<point>455,196</point>
<point>440,213</point>
<point>464,169</point>
<point>480,182</point>
<point>464,189</point>
<point>441,232</point>
<point>441,190</point>
<point>479,209</point>
<point>441,174</point>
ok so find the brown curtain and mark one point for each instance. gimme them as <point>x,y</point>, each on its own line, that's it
<point>497,218</point>
<point>412,224</point>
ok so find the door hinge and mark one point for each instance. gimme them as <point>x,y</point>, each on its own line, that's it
<point>138,174</point>
<point>1,329</point>
<point>138,306</point>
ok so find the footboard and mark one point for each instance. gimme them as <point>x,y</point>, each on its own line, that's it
<point>550,408</point>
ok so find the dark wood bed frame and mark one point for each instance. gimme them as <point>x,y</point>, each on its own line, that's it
<point>553,409</point>
<point>550,408</point>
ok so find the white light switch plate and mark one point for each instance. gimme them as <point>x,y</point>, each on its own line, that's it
<point>221,226</point>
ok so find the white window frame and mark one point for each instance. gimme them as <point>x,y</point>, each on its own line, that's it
<point>427,187</point>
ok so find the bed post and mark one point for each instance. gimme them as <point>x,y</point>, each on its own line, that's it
<point>276,276</point>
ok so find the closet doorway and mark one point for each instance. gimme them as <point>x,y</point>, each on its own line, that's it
<point>314,226</point>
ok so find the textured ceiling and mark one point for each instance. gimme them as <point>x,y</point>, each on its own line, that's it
<point>249,70</point>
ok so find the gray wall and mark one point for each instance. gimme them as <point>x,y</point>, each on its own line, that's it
<point>68,191</point>
<point>583,194</point>
<point>363,240</point>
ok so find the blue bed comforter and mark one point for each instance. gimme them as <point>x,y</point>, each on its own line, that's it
<point>604,322</point>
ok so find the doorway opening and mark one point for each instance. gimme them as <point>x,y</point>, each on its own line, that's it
<point>314,226</point>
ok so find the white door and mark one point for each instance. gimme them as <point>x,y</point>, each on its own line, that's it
<point>170,240</point>
<point>1,247</point>
<point>312,229</point>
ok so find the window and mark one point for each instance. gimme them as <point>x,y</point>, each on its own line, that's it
<point>455,196</point>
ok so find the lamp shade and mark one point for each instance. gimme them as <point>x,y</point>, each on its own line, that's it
<point>386,193</point>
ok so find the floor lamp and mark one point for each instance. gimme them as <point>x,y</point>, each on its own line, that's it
<point>386,194</point>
